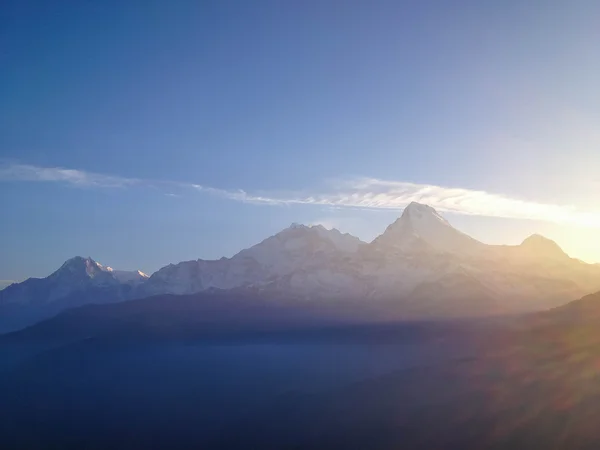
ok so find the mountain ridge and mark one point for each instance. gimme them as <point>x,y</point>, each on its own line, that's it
<point>79,280</point>
<point>421,226</point>
<point>420,260</point>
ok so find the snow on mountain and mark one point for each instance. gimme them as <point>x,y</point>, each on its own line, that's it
<point>77,282</point>
<point>418,257</point>
<point>76,274</point>
<point>344,242</point>
<point>297,250</point>
<point>127,276</point>
<point>78,270</point>
<point>297,244</point>
<point>420,264</point>
<point>421,228</point>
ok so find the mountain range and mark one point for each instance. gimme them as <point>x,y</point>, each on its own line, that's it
<point>420,267</point>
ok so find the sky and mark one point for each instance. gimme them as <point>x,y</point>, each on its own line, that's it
<point>142,133</point>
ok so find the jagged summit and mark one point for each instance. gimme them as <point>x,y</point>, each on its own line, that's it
<point>300,254</point>
<point>301,226</point>
<point>77,261</point>
<point>303,238</point>
<point>419,209</point>
<point>127,276</point>
<point>80,268</point>
<point>422,227</point>
<point>420,258</point>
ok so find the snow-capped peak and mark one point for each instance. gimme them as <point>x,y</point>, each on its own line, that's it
<point>125,276</point>
<point>79,265</point>
<point>422,227</point>
<point>128,276</point>
<point>300,226</point>
<point>420,212</point>
<point>77,261</point>
<point>342,241</point>
<point>80,268</point>
<point>300,238</point>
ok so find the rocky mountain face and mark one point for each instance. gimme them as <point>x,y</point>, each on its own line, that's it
<point>420,266</point>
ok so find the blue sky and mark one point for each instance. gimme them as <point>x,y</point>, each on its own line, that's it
<point>113,114</point>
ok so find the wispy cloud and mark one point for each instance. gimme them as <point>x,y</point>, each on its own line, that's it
<point>241,195</point>
<point>26,172</point>
<point>372,193</point>
<point>383,194</point>
<point>361,193</point>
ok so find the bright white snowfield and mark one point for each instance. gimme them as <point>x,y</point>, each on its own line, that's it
<point>421,264</point>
